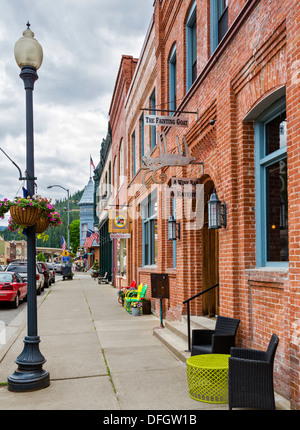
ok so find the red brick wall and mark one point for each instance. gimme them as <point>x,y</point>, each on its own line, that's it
<point>259,54</point>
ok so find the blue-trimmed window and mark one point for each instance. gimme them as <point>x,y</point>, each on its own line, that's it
<point>149,214</point>
<point>142,136</point>
<point>191,46</point>
<point>272,245</point>
<point>153,112</point>
<point>174,241</point>
<point>172,80</point>
<point>218,22</point>
<point>133,154</point>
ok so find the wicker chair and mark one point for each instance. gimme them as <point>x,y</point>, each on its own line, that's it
<point>250,377</point>
<point>218,341</point>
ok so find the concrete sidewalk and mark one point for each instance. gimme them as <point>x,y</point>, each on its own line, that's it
<point>99,356</point>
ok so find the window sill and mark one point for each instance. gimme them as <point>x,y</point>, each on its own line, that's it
<point>268,275</point>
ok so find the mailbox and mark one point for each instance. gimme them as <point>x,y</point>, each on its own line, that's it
<point>160,285</point>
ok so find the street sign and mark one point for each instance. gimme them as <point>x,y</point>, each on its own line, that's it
<point>66,259</point>
<point>65,253</point>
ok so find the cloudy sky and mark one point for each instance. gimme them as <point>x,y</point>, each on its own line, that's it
<point>83,41</point>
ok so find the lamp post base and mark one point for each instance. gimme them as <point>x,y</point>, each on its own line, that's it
<point>30,375</point>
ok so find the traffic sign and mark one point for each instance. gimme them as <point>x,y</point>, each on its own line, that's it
<point>65,253</point>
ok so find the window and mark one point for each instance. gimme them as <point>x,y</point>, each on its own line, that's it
<point>153,112</point>
<point>191,47</point>
<point>115,177</point>
<point>174,242</point>
<point>172,79</point>
<point>121,257</point>
<point>271,187</point>
<point>83,230</point>
<point>109,177</point>
<point>149,213</point>
<point>133,154</point>
<point>121,163</point>
<point>142,136</point>
<point>218,22</point>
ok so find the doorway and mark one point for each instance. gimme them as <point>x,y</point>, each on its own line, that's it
<point>210,260</point>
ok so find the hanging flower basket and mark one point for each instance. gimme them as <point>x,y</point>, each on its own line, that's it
<point>26,216</point>
<point>28,211</point>
<point>41,225</point>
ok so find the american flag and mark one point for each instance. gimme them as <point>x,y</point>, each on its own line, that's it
<point>92,163</point>
<point>64,245</point>
<point>90,237</point>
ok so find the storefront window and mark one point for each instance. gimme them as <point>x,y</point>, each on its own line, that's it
<point>121,257</point>
<point>271,187</point>
<point>149,208</point>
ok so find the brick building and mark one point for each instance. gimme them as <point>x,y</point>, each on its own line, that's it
<point>232,68</point>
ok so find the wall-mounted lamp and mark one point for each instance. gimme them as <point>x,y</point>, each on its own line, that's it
<point>216,212</point>
<point>173,229</point>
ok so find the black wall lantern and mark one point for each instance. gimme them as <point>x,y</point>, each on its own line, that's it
<point>173,229</point>
<point>216,212</point>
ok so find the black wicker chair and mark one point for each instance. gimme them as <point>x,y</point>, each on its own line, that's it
<point>218,341</point>
<point>250,377</point>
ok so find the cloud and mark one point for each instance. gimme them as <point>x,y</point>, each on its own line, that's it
<point>83,41</point>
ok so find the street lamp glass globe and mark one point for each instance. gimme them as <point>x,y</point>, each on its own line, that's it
<point>28,51</point>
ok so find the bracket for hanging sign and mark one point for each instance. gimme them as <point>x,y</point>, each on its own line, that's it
<point>166,159</point>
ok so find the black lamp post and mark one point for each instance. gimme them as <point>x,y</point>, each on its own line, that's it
<point>216,212</point>
<point>30,374</point>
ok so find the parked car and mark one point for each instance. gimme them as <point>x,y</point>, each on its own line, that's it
<point>58,267</point>
<point>52,272</point>
<point>46,272</point>
<point>20,267</point>
<point>12,288</point>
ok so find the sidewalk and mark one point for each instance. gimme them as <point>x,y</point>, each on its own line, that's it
<point>99,356</point>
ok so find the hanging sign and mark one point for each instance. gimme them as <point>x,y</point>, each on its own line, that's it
<point>118,221</point>
<point>168,121</point>
<point>120,235</point>
<point>185,187</point>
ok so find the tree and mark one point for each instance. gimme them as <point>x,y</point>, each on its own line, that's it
<point>74,234</point>
<point>40,257</point>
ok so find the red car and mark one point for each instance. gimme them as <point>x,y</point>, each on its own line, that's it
<point>12,288</point>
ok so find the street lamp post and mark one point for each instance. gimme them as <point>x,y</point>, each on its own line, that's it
<point>68,192</point>
<point>30,374</point>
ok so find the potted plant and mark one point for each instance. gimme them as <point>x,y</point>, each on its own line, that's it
<point>121,295</point>
<point>146,305</point>
<point>95,270</point>
<point>135,308</point>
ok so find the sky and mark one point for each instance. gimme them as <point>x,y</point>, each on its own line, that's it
<point>83,42</point>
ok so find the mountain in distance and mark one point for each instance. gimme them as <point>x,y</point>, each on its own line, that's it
<point>55,234</point>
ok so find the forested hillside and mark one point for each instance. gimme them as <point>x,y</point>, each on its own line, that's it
<point>55,234</point>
